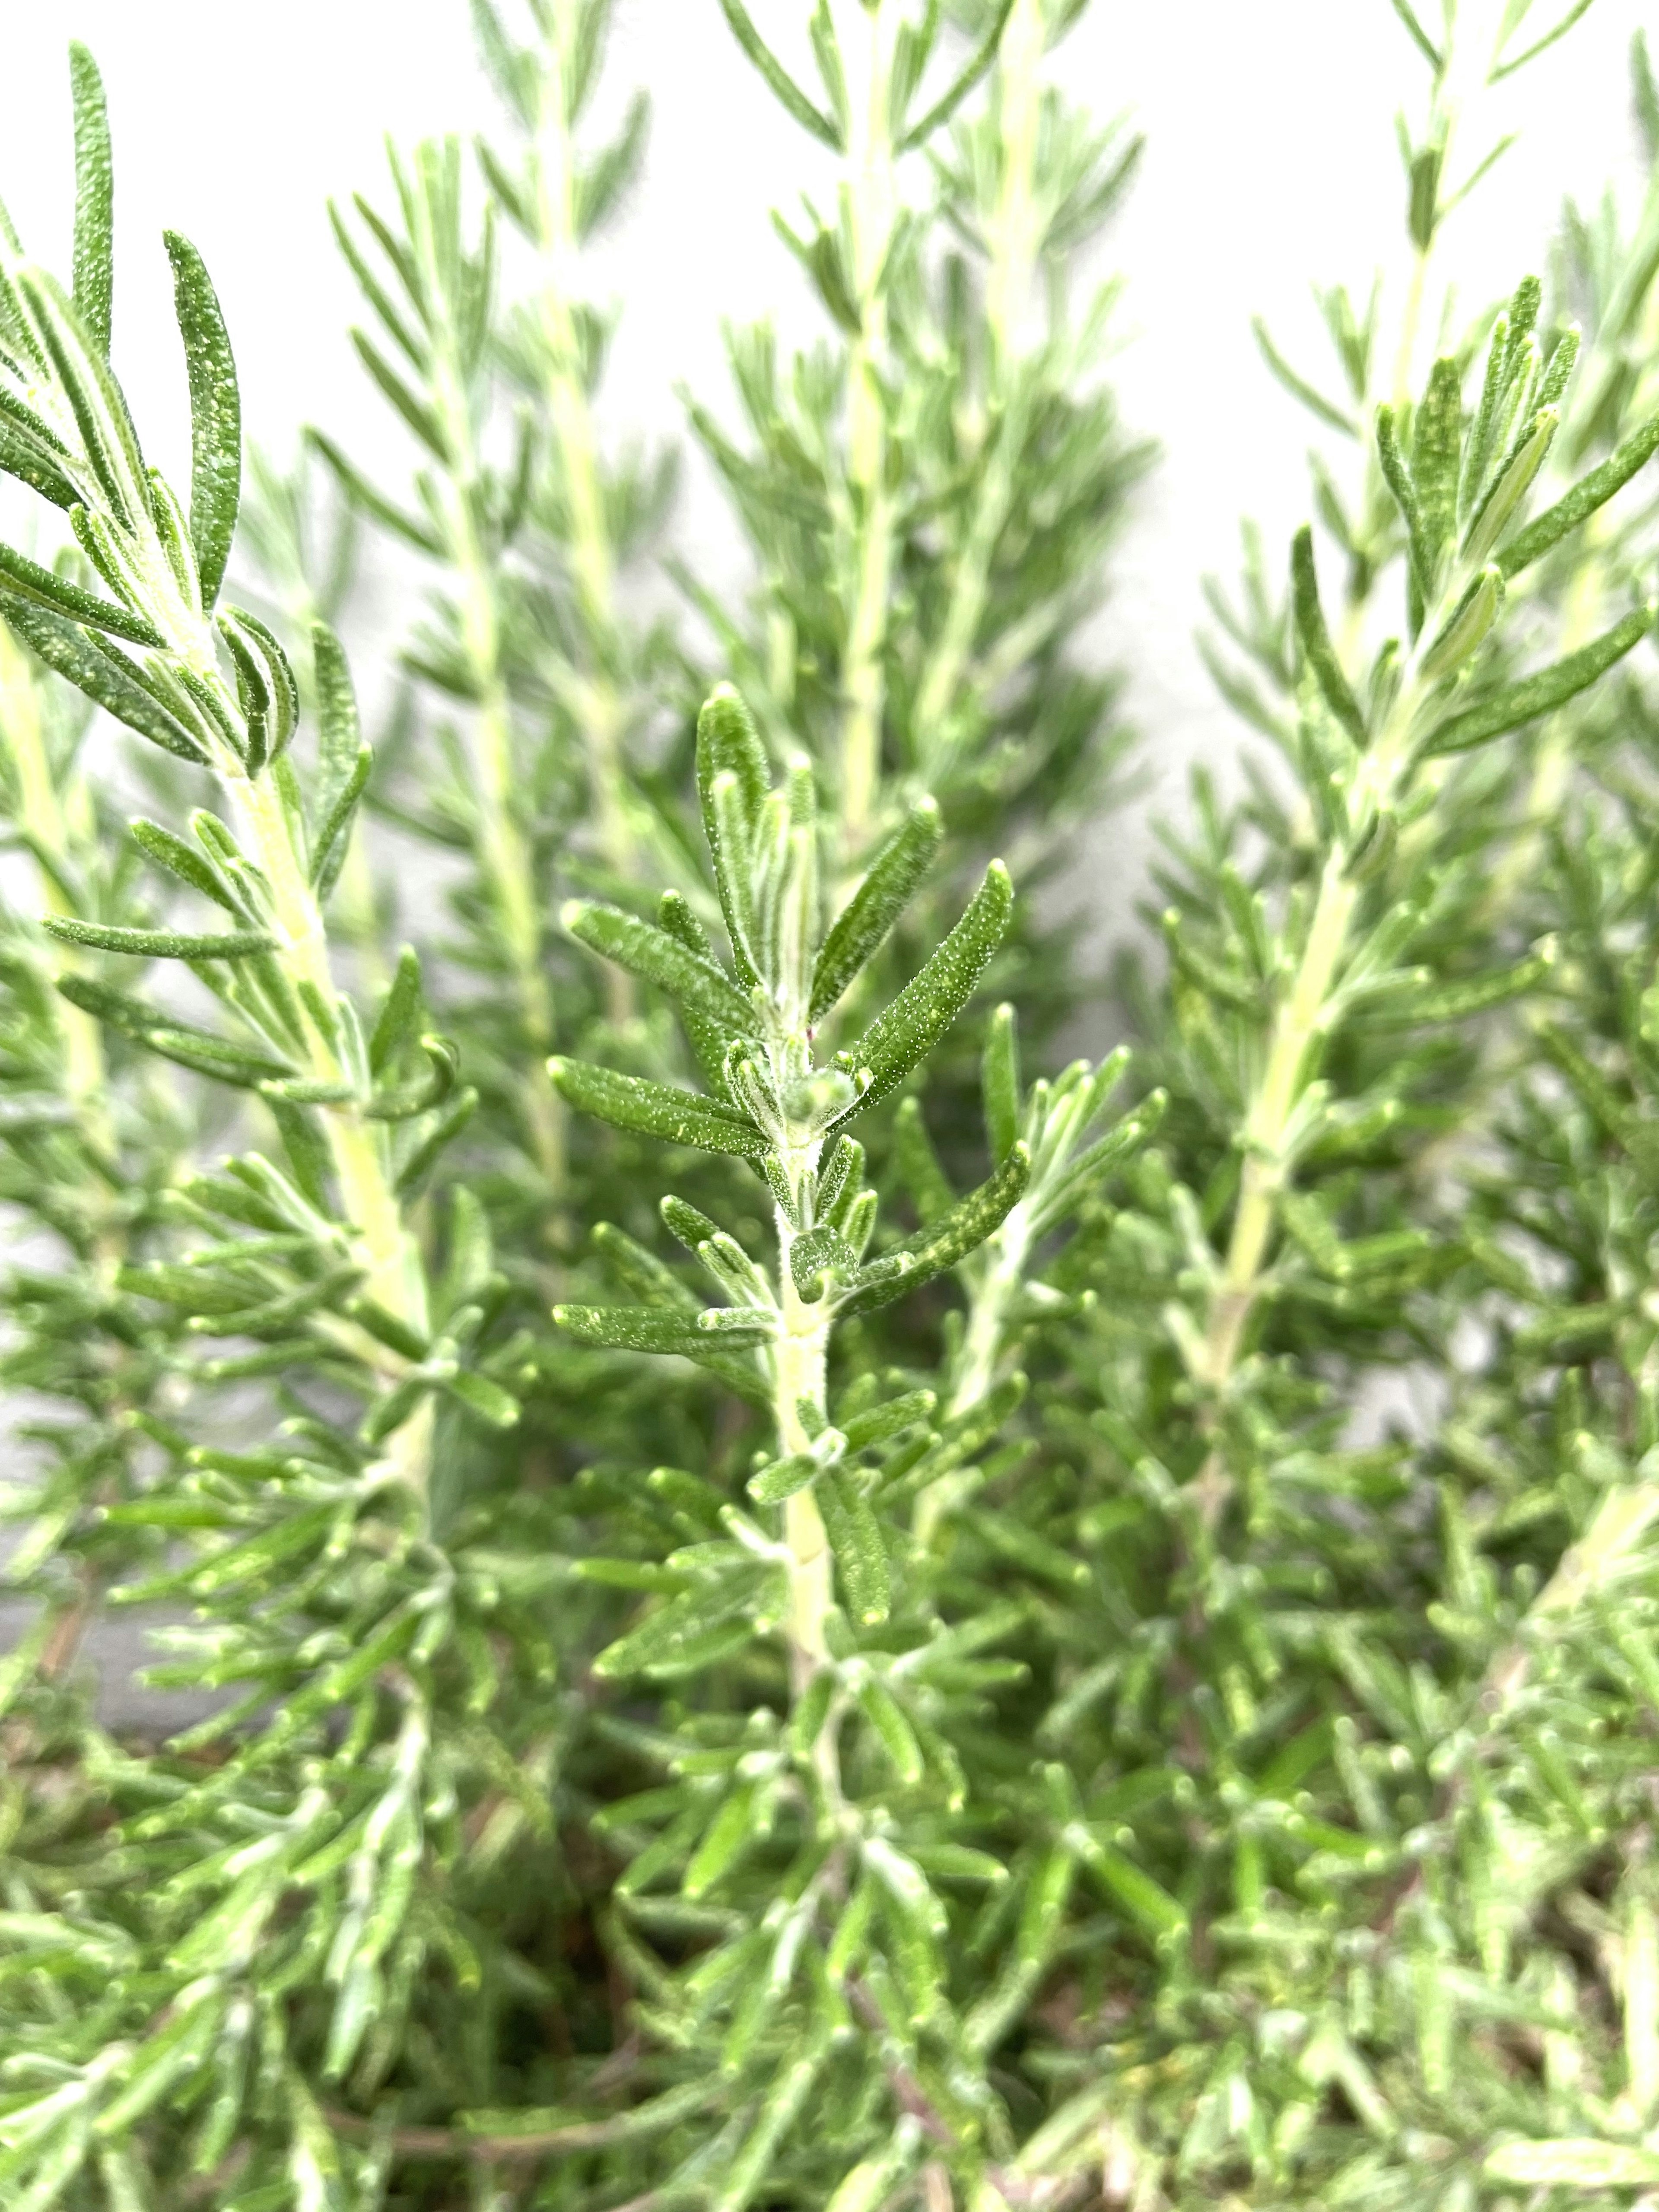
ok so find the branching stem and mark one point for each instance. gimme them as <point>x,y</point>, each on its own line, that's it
<point>1304,1013</point>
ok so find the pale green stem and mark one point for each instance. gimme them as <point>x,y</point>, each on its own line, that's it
<point>361,1149</point>
<point>996,1284</point>
<point>1410,324</point>
<point>1460,81</point>
<point>379,1239</point>
<point>504,851</point>
<point>1013,240</point>
<point>1552,762</point>
<point>1297,1031</point>
<point>592,554</point>
<point>872,192</point>
<point>799,1372</point>
<point>42,809</point>
<point>1015,227</point>
<point>61,823</point>
<point>1302,1012</point>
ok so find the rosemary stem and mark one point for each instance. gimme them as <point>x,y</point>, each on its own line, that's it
<point>504,850</point>
<point>873,204</point>
<point>1013,249</point>
<point>360,1149</point>
<point>798,1386</point>
<point>1301,1020</point>
<point>42,807</point>
<point>992,1292</point>
<point>592,553</point>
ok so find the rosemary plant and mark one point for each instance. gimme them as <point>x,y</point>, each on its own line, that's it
<point>828,1909</point>
<point>1088,1645</point>
<point>930,493</point>
<point>527,648</point>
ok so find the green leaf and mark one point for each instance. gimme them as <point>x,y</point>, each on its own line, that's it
<point>783,85</point>
<point>1541,694</point>
<point>1059,1195</point>
<point>707,1038</point>
<point>1573,2162</point>
<point>654,1328</point>
<point>1419,37</point>
<point>726,1840</point>
<point>966,1435</point>
<point>1316,639</point>
<point>1592,491</point>
<point>1146,1901</point>
<point>1559,29</point>
<point>192,1289</point>
<point>957,1862</point>
<point>920,1172</point>
<point>215,415</point>
<point>729,746</point>
<point>423,420</point>
<point>1025,1547</point>
<point>902,1036</point>
<point>106,677</point>
<point>28,581</point>
<point>641,1271</point>
<point>171,852</point>
<point>685,1222</point>
<point>669,1636</point>
<point>29,451</point>
<point>1422,206</point>
<point>158,944</point>
<point>400,1015</point>
<point>907,1410</point>
<point>495,1407</point>
<point>860,1555</point>
<point>94,199</point>
<point>607,175</point>
<point>944,1242</point>
<point>443,1063</point>
<point>1397,478</point>
<point>657,958</point>
<point>1465,627</point>
<point>333,838</point>
<point>1336,417</point>
<point>361,494</point>
<point>191,1047</point>
<point>782,1477</point>
<point>1513,482</point>
<point>656,1109</point>
<point>863,924</point>
<point>101,419</point>
<point>963,82</point>
<point>999,1086</point>
<point>821,1251</point>
<point>445,1129</point>
<point>1437,453</point>
<point>339,733</point>
<point>407,342</point>
<point>262,664</point>
<point>898,1739</point>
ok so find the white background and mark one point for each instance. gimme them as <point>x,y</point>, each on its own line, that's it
<point>1270,165</point>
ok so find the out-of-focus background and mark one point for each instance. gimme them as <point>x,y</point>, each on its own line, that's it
<point>1270,165</point>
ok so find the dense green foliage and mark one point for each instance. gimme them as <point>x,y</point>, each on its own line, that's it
<point>772,1611</point>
